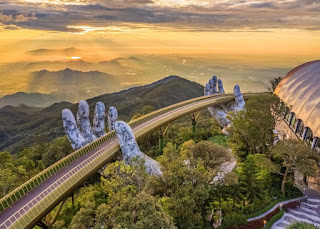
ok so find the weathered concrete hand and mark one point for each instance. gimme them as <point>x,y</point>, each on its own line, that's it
<point>130,148</point>
<point>81,133</point>
<point>112,117</point>
<point>211,87</point>
<point>220,112</point>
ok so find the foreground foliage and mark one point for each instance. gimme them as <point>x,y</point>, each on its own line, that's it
<point>16,169</point>
<point>302,225</point>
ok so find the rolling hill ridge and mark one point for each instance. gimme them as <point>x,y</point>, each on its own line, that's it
<point>23,126</point>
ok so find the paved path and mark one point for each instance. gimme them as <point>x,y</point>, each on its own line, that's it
<point>225,168</point>
<point>308,211</point>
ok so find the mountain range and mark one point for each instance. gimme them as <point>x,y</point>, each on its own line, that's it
<point>75,84</point>
<point>47,87</point>
<point>129,72</point>
<point>29,99</point>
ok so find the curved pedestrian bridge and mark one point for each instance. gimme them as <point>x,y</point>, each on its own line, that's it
<point>25,206</point>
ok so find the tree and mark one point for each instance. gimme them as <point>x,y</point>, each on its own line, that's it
<point>274,83</point>
<point>219,191</point>
<point>128,205</point>
<point>249,179</point>
<point>6,159</point>
<point>252,129</point>
<point>145,110</point>
<point>137,212</point>
<point>234,189</point>
<point>295,155</point>
<point>7,180</point>
<point>58,149</point>
<point>120,180</point>
<point>15,170</point>
<point>83,218</point>
<point>205,153</point>
<point>59,224</point>
<point>212,155</point>
<point>184,187</point>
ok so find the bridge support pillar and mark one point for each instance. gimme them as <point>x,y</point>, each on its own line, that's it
<point>57,213</point>
<point>162,133</point>
<point>194,118</point>
<point>72,197</point>
<point>161,144</point>
<point>194,123</point>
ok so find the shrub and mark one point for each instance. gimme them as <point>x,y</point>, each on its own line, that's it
<point>256,206</point>
<point>233,220</point>
<point>292,191</point>
<point>274,219</point>
<point>302,225</point>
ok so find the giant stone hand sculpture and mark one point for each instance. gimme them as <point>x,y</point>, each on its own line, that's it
<point>98,119</point>
<point>76,140</point>
<point>80,133</point>
<point>112,117</point>
<point>239,101</point>
<point>214,86</point>
<point>220,112</point>
<point>83,121</point>
<point>220,86</point>
<point>130,148</point>
<point>207,89</point>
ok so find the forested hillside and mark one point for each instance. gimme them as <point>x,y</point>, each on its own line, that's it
<point>23,126</point>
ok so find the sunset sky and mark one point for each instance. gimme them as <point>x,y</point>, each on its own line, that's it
<point>105,29</point>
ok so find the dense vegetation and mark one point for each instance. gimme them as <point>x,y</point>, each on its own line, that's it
<point>187,195</point>
<point>18,168</point>
<point>302,225</point>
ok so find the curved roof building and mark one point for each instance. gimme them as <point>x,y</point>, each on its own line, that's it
<point>300,90</point>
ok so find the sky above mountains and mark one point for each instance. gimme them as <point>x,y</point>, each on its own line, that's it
<point>105,29</point>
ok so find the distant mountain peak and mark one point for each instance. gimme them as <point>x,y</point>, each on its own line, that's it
<point>166,80</point>
<point>172,77</point>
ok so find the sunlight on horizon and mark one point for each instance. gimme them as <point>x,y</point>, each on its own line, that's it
<point>75,57</point>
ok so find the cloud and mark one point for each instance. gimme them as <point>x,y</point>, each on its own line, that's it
<point>12,27</point>
<point>5,18</point>
<point>67,51</point>
<point>182,15</point>
<point>15,17</point>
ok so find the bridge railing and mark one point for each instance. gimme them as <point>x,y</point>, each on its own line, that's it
<point>156,113</point>
<point>29,185</point>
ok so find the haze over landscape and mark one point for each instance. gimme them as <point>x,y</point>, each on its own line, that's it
<point>48,46</point>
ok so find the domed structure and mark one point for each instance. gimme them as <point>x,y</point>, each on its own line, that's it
<point>300,90</point>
